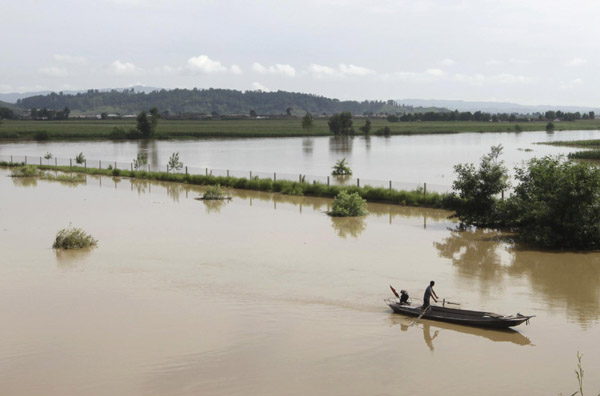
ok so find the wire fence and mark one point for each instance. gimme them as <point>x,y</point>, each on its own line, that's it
<point>327,180</point>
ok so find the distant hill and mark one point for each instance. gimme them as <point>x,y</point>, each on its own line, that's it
<point>493,107</point>
<point>208,101</point>
<point>13,97</point>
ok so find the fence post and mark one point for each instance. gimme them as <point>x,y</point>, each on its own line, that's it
<point>227,172</point>
<point>55,162</point>
<point>206,171</point>
<point>115,164</point>
<point>327,181</point>
<point>274,175</point>
<point>40,161</point>
<point>85,164</point>
<point>99,164</point>
<point>148,168</point>
<point>424,188</point>
<point>25,160</point>
<point>300,178</point>
<point>186,170</point>
<point>357,182</point>
<point>132,166</point>
<point>390,185</point>
<point>11,159</point>
<point>503,195</point>
<point>70,163</point>
<point>250,174</point>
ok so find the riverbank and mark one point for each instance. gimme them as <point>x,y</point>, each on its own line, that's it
<point>194,129</point>
<point>371,194</point>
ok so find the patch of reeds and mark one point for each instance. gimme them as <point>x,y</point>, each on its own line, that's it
<point>214,193</point>
<point>25,171</point>
<point>73,238</point>
<point>586,155</point>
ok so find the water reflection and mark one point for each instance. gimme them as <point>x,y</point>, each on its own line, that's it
<point>71,259</point>
<point>348,226</point>
<point>24,181</point>
<point>214,205</point>
<point>566,280</point>
<point>149,148</point>
<point>432,330</point>
<point>341,144</point>
<point>141,186</point>
<point>307,146</point>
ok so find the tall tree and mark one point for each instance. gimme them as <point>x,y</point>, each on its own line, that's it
<point>307,123</point>
<point>143,125</point>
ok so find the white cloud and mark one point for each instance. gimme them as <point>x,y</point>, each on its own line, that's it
<point>448,62</point>
<point>576,62</point>
<point>259,87</point>
<point>54,71</point>
<point>493,62</point>
<point>235,69</point>
<point>6,88</point>
<point>571,84</point>
<point>516,61</point>
<point>503,78</point>
<point>70,59</point>
<point>352,70</point>
<point>124,67</point>
<point>204,64</point>
<point>284,70</point>
<point>343,70</point>
<point>435,72</point>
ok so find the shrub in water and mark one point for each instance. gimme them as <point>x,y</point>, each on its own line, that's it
<point>73,238</point>
<point>341,168</point>
<point>25,171</point>
<point>345,204</point>
<point>214,192</point>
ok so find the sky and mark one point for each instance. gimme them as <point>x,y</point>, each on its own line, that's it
<point>528,51</point>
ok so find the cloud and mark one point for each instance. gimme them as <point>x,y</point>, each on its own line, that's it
<point>124,67</point>
<point>516,61</point>
<point>284,70</point>
<point>571,84</point>
<point>70,59</point>
<point>435,72</point>
<point>576,62</point>
<point>204,64</point>
<point>501,79</point>
<point>448,62</point>
<point>235,69</point>
<point>352,70</point>
<point>493,62</point>
<point>54,71</point>
<point>6,88</point>
<point>259,87</point>
<point>343,70</point>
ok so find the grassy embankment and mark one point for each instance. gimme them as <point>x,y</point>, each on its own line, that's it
<point>184,129</point>
<point>371,194</point>
<point>593,145</point>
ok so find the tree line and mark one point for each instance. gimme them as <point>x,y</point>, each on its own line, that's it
<point>494,117</point>
<point>194,102</point>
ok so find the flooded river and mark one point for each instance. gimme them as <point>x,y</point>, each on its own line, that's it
<point>267,295</point>
<point>409,161</point>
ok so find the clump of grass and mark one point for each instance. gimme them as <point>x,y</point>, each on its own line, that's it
<point>214,192</point>
<point>25,171</point>
<point>73,238</point>
<point>588,155</point>
<point>348,205</point>
<point>341,168</point>
<point>67,178</point>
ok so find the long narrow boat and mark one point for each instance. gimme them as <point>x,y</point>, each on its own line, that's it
<point>459,316</point>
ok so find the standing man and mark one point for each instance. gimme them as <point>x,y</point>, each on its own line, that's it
<point>429,292</point>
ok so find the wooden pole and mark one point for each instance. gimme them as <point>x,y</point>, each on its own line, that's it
<point>25,160</point>
<point>274,175</point>
<point>55,162</point>
<point>327,181</point>
<point>186,170</point>
<point>250,174</point>
<point>99,164</point>
<point>206,172</point>
<point>300,178</point>
<point>85,164</point>
<point>424,188</point>
<point>357,182</point>
<point>132,166</point>
<point>11,159</point>
<point>115,164</point>
<point>40,161</point>
<point>70,163</point>
<point>390,185</point>
<point>227,172</point>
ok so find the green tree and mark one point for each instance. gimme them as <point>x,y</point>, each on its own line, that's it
<point>550,126</point>
<point>144,126</point>
<point>307,123</point>
<point>288,111</point>
<point>341,168</point>
<point>252,114</point>
<point>366,129</point>
<point>80,158</point>
<point>478,189</point>
<point>154,117</point>
<point>48,157</point>
<point>104,115</point>
<point>174,163</point>
<point>556,204</point>
<point>341,123</point>
<point>140,161</point>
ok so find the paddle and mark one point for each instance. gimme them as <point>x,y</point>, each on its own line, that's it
<point>420,316</point>
<point>444,302</point>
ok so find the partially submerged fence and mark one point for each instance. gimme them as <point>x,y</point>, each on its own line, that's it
<point>151,167</point>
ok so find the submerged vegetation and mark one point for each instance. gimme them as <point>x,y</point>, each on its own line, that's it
<point>556,203</point>
<point>348,205</point>
<point>214,193</point>
<point>33,171</point>
<point>371,194</point>
<point>341,168</point>
<point>73,238</point>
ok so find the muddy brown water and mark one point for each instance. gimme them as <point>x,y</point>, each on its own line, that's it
<point>267,295</point>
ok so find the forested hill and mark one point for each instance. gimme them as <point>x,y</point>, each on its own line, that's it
<point>209,101</point>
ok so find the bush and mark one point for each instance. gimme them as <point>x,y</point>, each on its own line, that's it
<point>25,171</point>
<point>341,168</point>
<point>73,238</point>
<point>348,205</point>
<point>116,172</point>
<point>80,158</point>
<point>41,135</point>
<point>214,192</point>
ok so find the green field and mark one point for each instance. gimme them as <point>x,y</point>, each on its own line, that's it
<point>178,129</point>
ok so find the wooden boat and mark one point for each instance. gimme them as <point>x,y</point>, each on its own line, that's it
<point>459,316</point>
